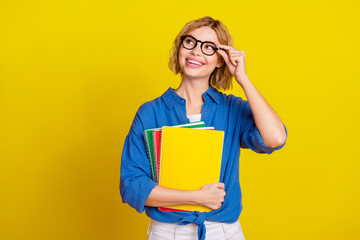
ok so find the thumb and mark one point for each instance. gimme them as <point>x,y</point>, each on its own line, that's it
<point>224,56</point>
<point>221,185</point>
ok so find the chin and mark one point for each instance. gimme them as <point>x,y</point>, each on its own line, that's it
<point>196,76</point>
<point>197,73</point>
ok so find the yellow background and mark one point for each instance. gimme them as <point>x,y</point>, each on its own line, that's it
<point>73,74</point>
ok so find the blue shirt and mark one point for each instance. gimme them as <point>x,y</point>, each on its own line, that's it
<point>225,112</point>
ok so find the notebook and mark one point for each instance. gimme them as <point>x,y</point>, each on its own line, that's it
<point>157,149</point>
<point>189,159</point>
<point>157,146</point>
<point>149,142</point>
<point>157,141</point>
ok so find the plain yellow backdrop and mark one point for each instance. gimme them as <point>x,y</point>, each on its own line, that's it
<point>73,74</point>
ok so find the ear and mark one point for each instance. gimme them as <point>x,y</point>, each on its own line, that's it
<point>220,63</point>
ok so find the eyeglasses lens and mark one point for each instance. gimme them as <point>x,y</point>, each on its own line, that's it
<point>208,48</point>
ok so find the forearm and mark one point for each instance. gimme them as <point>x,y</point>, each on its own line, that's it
<point>270,126</point>
<point>162,197</point>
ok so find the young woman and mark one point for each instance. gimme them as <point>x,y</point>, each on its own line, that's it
<point>204,55</point>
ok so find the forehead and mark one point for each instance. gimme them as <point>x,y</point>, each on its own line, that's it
<point>204,34</point>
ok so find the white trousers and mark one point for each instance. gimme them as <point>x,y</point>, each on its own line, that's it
<point>214,231</point>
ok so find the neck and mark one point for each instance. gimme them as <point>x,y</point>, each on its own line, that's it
<point>192,90</point>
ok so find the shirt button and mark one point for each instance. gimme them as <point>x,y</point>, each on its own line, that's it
<point>205,109</point>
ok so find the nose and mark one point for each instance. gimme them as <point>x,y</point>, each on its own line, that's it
<point>197,49</point>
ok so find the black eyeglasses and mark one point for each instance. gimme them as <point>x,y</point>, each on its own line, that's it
<point>207,48</point>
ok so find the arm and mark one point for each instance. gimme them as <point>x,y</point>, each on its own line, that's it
<point>135,175</point>
<point>269,124</point>
<point>210,195</point>
<point>140,191</point>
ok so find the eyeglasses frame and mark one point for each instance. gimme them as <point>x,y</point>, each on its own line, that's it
<point>202,43</point>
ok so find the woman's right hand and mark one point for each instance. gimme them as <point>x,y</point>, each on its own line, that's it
<point>212,195</point>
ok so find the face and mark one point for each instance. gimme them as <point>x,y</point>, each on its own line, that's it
<point>194,63</point>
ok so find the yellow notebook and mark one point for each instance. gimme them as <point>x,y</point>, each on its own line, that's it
<point>190,158</point>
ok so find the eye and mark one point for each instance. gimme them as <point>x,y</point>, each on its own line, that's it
<point>189,41</point>
<point>210,46</point>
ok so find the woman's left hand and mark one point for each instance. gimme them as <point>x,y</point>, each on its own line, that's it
<point>234,59</point>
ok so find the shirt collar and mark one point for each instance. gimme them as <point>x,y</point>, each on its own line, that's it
<point>170,97</point>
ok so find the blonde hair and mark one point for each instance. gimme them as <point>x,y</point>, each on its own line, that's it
<point>220,78</point>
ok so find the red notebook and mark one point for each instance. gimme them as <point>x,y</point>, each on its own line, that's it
<point>157,147</point>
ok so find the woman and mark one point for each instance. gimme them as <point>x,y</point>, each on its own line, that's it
<point>204,55</point>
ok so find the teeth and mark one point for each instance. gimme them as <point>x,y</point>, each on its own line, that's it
<point>196,63</point>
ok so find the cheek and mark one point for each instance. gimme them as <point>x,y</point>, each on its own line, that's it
<point>213,60</point>
<point>181,56</point>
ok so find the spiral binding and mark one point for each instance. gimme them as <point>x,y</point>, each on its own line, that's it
<point>153,171</point>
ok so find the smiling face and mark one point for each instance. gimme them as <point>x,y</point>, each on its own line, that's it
<point>194,63</point>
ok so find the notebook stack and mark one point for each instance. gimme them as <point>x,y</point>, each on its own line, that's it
<point>184,157</point>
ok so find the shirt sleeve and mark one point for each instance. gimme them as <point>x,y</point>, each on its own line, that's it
<point>135,175</point>
<point>249,134</point>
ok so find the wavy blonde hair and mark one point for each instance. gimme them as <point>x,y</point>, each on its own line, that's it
<point>220,78</point>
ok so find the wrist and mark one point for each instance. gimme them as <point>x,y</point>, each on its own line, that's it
<point>242,79</point>
<point>196,197</point>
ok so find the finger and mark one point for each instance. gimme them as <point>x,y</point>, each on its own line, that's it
<point>226,47</point>
<point>237,54</point>
<point>234,61</point>
<point>224,56</point>
<point>231,50</point>
<point>237,51</point>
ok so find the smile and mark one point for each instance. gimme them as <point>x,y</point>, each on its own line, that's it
<point>194,63</point>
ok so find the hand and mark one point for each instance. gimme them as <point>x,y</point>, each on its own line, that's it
<point>234,59</point>
<point>212,195</point>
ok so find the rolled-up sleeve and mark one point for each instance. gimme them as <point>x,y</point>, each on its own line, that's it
<point>249,134</point>
<point>135,176</point>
